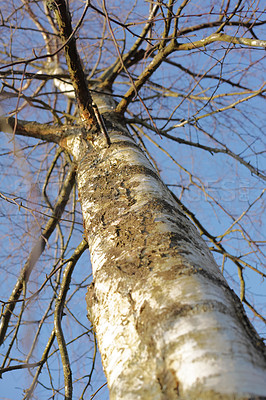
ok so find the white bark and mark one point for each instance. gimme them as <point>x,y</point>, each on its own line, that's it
<point>103,98</point>
<point>167,324</point>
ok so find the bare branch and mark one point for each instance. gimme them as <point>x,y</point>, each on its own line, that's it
<point>32,129</point>
<point>37,251</point>
<point>220,37</point>
<point>59,307</point>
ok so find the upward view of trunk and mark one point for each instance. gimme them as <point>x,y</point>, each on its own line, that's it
<point>168,325</point>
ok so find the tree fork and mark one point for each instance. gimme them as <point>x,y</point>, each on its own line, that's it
<point>88,109</point>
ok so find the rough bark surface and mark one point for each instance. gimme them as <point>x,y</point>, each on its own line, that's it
<point>168,326</point>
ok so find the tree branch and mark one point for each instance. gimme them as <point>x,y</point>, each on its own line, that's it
<point>174,46</point>
<point>59,307</point>
<point>37,251</point>
<point>35,130</point>
<point>220,37</point>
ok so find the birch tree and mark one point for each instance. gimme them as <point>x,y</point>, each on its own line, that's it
<point>105,102</point>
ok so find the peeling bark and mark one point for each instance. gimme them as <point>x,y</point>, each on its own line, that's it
<point>168,325</point>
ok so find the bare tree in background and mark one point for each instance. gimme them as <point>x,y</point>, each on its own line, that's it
<point>100,111</point>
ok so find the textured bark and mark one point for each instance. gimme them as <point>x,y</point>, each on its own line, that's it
<point>168,326</point>
<point>83,96</point>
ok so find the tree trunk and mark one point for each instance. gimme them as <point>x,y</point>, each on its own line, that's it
<point>168,325</point>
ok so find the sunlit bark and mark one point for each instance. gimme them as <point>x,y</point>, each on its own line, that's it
<point>167,323</point>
